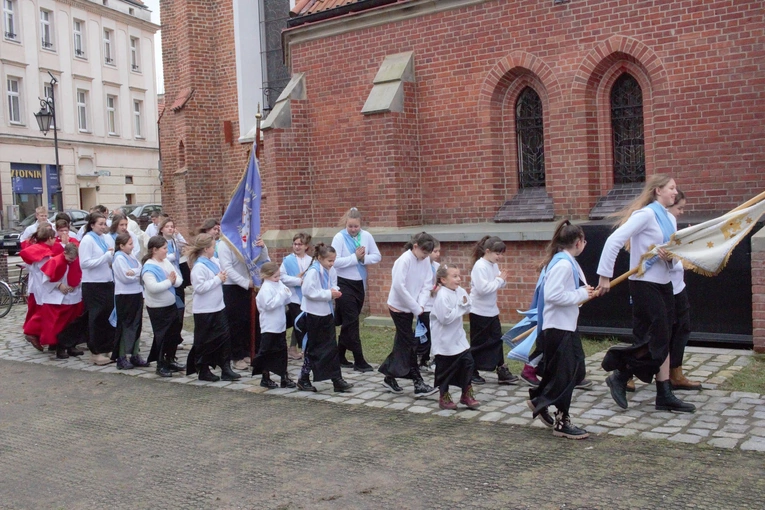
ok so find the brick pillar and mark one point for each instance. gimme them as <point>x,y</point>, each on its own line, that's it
<point>758,291</point>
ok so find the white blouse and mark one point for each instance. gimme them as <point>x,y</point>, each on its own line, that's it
<point>346,261</point>
<point>446,330</point>
<point>410,289</point>
<point>484,284</point>
<point>271,300</point>
<point>316,299</point>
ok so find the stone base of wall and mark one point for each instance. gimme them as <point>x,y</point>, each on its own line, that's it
<point>758,291</point>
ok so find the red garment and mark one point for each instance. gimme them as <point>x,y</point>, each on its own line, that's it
<point>56,267</point>
<point>52,319</point>
<point>32,309</point>
<point>36,252</point>
<point>72,240</point>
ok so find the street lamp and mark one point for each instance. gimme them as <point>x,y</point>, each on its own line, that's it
<point>47,117</point>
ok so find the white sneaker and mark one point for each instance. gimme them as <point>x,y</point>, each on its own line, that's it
<point>100,359</point>
<point>240,365</point>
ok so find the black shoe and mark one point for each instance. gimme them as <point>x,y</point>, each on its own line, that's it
<point>617,382</point>
<point>504,376</point>
<point>62,354</point>
<point>667,401</point>
<point>477,379</point>
<point>543,415</point>
<point>123,363</point>
<point>345,363</point>
<point>206,375</point>
<point>268,383</point>
<point>229,375</point>
<point>340,385</point>
<point>286,382</point>
<point>421,389</point>
<point>162,370</point>
<point>363,368</point>
<point>74,351</point>
<point>392,385</point>
<point>305,385</point>
<point>174,366</point>
<point>564,428</point>
<point>137,361</point>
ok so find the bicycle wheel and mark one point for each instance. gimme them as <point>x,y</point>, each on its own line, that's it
<point>6,299</point>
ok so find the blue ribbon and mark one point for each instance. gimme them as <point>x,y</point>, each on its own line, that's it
<point>209,264</point>
<point>99,241</point>
<point>293,269</point>
<point>159,274</point>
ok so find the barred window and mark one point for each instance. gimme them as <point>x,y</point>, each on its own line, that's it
<point>530,140</point>
<point>627,130</point>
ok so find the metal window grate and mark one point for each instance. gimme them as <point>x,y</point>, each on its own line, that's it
<point>529,126</point>
<point>627,130</point>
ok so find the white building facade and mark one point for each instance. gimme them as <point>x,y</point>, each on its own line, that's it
<point>101,54</point>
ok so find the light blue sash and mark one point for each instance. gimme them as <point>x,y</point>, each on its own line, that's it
<point>209,264</point>
<point>667,229</point>
<point>293,269</point>
<point>159,274</point>
<point>541,289</point>
<point>352,243</point>
<point>100,242</point>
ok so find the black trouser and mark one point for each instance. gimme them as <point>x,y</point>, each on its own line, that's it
<point>293,310</point>
<point>237,301</point>
<point>681,329</point>
<point>347,312</point>
<point>423,349</point>
<point>98,300</point>
<point>402,361</point>
<point>563,369</point>
<point>454,370</point>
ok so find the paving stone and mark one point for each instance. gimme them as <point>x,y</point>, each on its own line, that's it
<point>491,417</point>
<point>754,444</point>
<point>653,435</point>
<point>685,438</point>
<point>699,432</point>
<point>723,442</point>
<point>623,432</point>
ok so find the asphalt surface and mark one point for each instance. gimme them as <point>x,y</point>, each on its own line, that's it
<point>72,439</point>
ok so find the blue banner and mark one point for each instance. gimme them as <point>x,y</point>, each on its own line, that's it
<point>26,179</point>
<point>240,224</point>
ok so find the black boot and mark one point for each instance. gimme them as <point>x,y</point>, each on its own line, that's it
<point>170,361</point>
<point>206,375</point>
<point>286,382</point>
<point>667,401</point>
<point>304,384</point>
<point>360,364</point>
<point>340,385</point>
<point>227,374</point>
<point>162,370</point>
<point>617,381</point>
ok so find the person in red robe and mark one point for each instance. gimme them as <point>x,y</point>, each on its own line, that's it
<point>61,303</point>
<point>64,235</point>
<point>42,246</point>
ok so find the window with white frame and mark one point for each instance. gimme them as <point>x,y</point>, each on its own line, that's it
<point>108,50</point>
<point>82,110</point>
<point>46,29</point>
<point>14,99</point>
<point>137,107</point>
<point>48,95</point>
<point>9,20</point>
<point>78,29</point>
<point>135,54</point>
<point>111,114</point>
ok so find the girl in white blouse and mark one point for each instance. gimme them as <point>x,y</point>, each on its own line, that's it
<point>320,347</point>
<point>271,300</point>
<point>485,329</point>
<point>454,363</point>
<point>128,300</point>
<point>643,224</point>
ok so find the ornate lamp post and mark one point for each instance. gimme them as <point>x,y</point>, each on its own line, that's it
<point>47,117</point>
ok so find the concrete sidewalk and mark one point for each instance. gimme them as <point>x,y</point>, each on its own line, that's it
<point>723,419</point>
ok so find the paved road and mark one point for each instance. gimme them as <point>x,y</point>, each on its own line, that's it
<point>73,439</point>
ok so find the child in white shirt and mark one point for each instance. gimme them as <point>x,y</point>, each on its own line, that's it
<point>272,297</point>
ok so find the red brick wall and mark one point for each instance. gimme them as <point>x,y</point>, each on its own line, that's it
<point>199,53</point>
<point>699,65</point>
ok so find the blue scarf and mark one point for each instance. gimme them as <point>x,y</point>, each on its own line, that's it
<point>540,299</point>
<point>352,243</point>
<point>323,280</point>
<point>132,262</point>
<point>293,269</point>
<point>209,264</point>
<point>667,229</point>
<point>99,241</point>
<point>662,218</point>
<point>159,274</point>
<point>172,248</point>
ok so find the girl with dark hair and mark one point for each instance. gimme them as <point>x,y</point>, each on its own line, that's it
<point>119,226</point>
<point>96,254</point>
<point>272,351</point>
<point>320,348</point>
<point>485,329</point>
<point>39,248</point>
<point>412,280</point>
<point>681,329</point>
<point>212,344</point>
<point>292,270</point>
<point>644,224</point>
<point>356,250</point>
<point>128,299</point>
<point>454,363</point>
<point>560,295</point>
<point>160,279</point>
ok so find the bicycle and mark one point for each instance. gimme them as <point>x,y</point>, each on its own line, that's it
<point>11,293</point>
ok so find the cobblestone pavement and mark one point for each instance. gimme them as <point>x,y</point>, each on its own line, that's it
<point>723,419</point>
<point>72,439</point>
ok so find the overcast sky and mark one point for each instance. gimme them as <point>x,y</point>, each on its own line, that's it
<point>153,6</point>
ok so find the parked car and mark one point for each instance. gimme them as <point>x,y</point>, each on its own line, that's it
<point>142,213</point>
<point>9,238</point>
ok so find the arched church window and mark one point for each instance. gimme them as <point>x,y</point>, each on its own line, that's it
<point>627,130</point>
<point>531,141</point>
